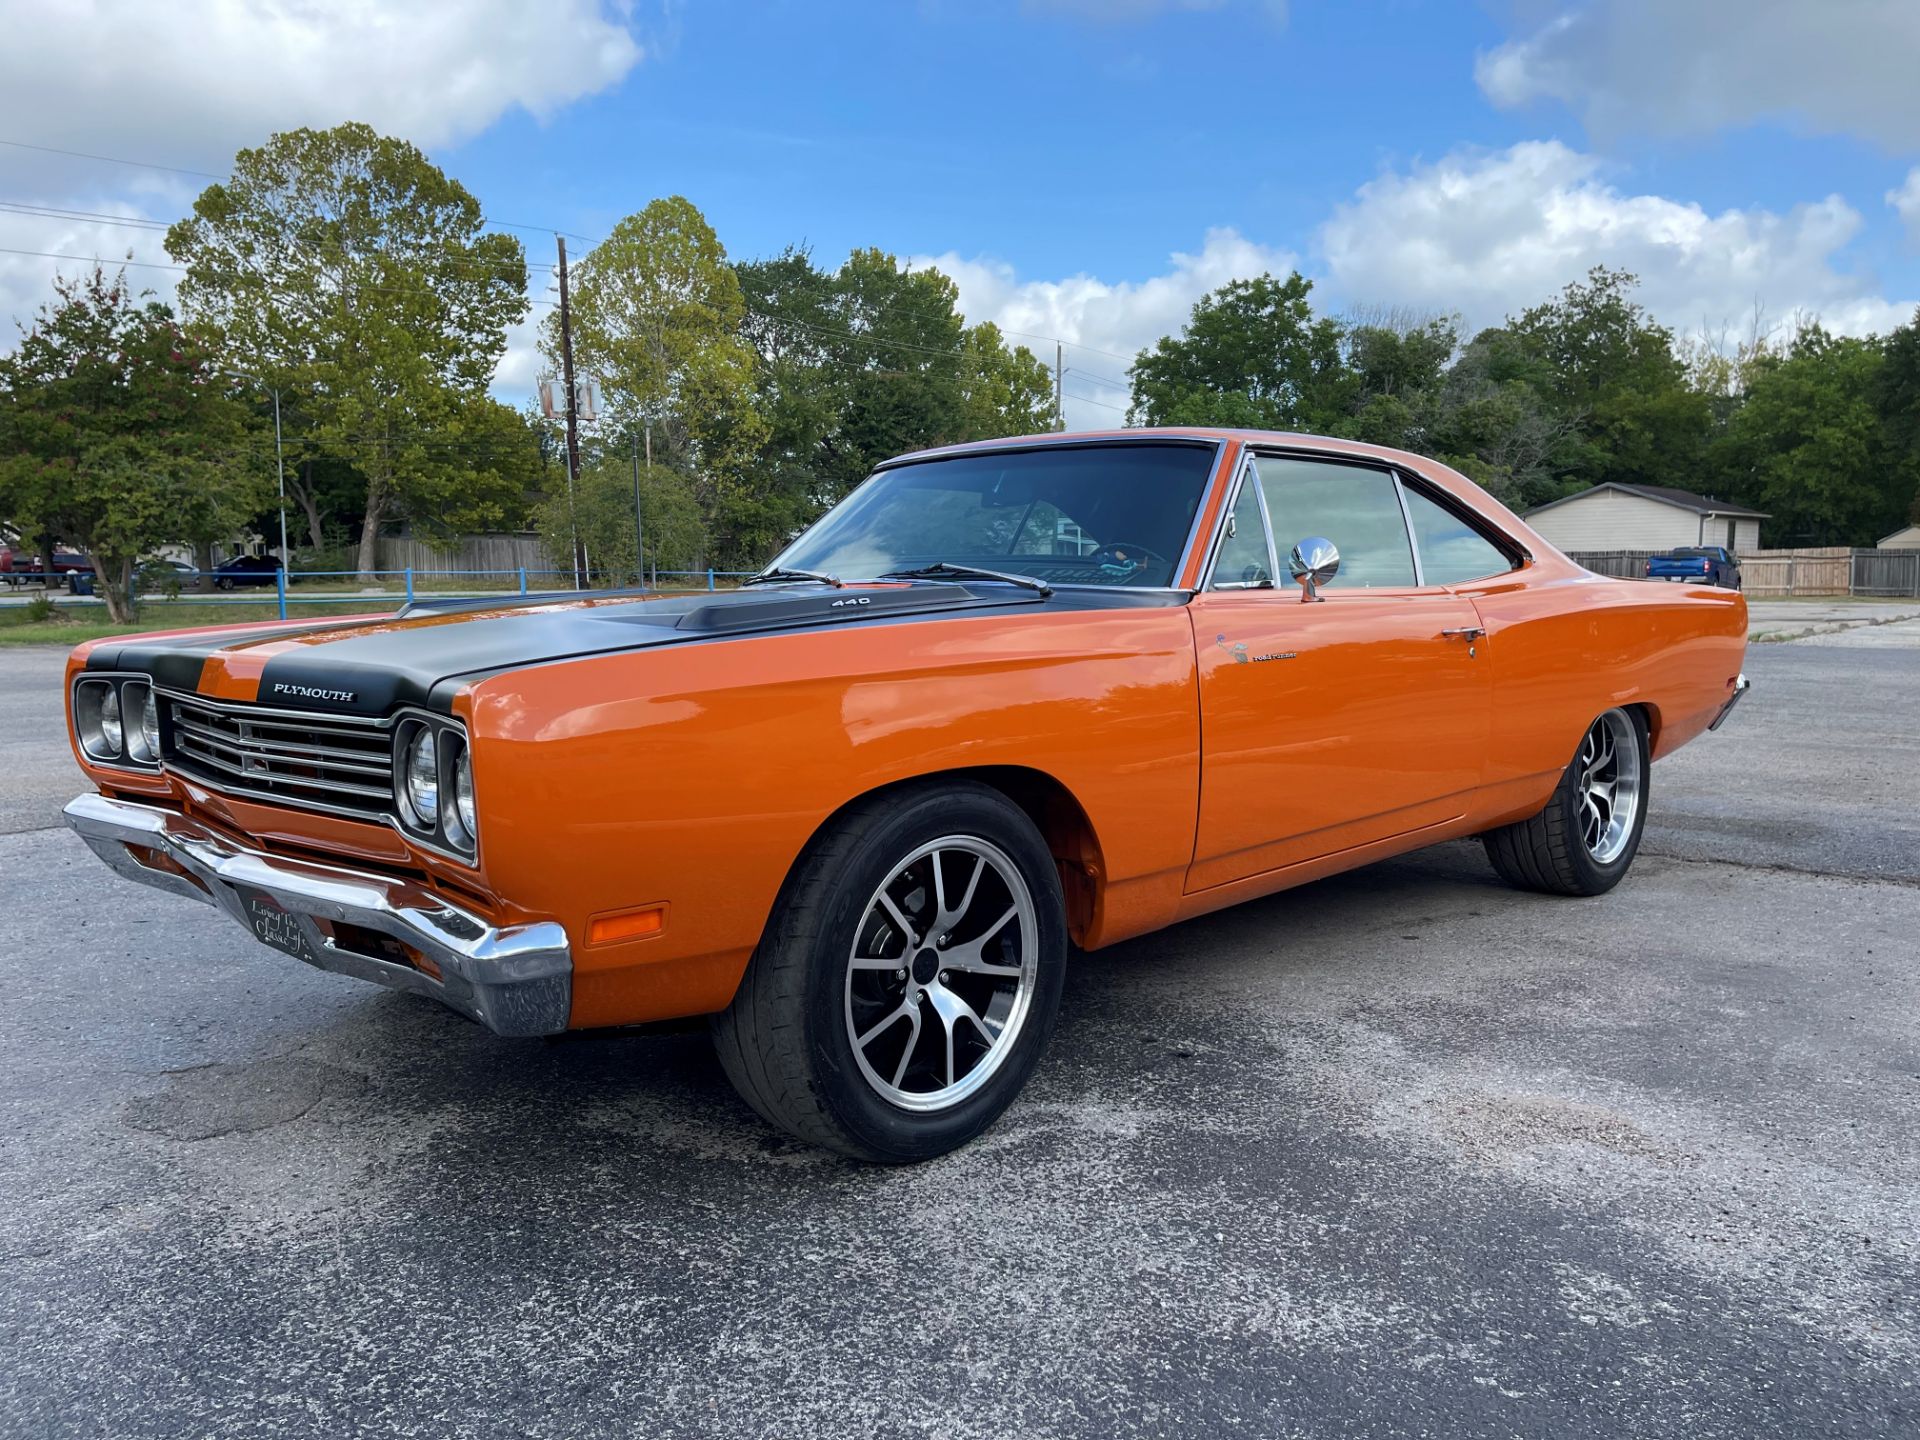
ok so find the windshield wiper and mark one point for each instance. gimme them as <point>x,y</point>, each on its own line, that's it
<point>942,568</point>
<point>782,572</point>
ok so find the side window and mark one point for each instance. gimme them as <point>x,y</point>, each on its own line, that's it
<point>1243,562</point>
<point>1451,551</point>
<point>1353,506</point>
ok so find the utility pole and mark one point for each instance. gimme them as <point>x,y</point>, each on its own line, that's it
<point>1059,409</point>
<point>573,428</point>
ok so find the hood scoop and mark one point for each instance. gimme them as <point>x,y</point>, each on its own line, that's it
<point>818,606</point>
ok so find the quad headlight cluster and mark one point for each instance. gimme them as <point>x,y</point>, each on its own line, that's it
<point>433,783</point>
<point>118,721</point>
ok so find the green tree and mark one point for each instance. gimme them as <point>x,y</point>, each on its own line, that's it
<point>1609,369</point>
<point>1808,446</point>
<point>118,435</point>
<point>897,355</point>
<point>1897,399</point>
<point>657,313</point>
<point>1004,390</point>
<point>1252,353</point>
<point>601,512</point>
<point>344,267</point>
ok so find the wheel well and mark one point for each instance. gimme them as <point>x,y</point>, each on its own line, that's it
<point>1055,813</point>
<point>1651,715</point>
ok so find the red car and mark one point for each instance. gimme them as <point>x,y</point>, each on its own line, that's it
<point>19,568</point>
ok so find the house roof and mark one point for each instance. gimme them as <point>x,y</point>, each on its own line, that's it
<point>1666,495</point>
<point>1905,534</point>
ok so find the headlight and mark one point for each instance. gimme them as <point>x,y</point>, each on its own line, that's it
<point>144,744</point>
<point>466,823</point>
<point>111,730</point>
<point>96,715</point>
<point>423,778</point>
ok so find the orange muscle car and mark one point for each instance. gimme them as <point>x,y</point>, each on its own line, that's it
<point>1004,700</point>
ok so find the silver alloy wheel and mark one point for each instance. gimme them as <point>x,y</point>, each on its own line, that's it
<point>1609,785</point>
<point>952,931</point>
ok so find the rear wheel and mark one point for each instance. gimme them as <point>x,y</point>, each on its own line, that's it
<point>908,977</point>
<point>1584,841</point>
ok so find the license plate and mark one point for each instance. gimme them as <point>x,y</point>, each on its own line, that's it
<point>273,926</point>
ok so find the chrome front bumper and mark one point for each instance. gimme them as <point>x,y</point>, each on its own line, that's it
<point>516,980</point>
<point>1740,687</point>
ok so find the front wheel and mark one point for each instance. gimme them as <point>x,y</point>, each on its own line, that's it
<point>908,978</point>
<point>1584,841</point>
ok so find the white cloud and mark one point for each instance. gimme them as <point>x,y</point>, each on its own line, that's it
<point>1105,322</point>
<point>188,84</point>
<point>26,280</point>
<point>1489,234</point>
<point>1906,202</point>
<point>1695,66</point>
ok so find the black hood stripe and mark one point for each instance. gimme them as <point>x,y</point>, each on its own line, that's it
<point>373,667</point>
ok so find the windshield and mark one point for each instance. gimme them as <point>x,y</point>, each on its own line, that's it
<point>1095,515</point>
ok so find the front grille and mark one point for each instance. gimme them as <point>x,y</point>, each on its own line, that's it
<point>323,762</point>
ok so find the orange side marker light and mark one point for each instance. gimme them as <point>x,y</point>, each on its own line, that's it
<point>627,925</point>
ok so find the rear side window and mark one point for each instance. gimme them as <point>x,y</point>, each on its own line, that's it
<point>1451,551</point>
<point>1353,506</point>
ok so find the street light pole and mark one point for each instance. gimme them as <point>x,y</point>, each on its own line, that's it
<point>640,532</point>
<point>280,462</point>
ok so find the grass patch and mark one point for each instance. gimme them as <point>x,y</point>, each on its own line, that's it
<point>71,625</point>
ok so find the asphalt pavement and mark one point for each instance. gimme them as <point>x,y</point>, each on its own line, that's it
<point>1403,1153</point>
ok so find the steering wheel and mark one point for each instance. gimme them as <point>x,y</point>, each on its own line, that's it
<point>1118,553</point>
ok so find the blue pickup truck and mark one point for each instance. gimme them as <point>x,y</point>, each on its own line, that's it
<point>1702,564</point>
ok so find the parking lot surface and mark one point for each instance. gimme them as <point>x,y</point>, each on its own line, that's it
<point>1403,1153</point>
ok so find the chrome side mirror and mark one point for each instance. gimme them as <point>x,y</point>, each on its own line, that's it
<point>1315,561</point>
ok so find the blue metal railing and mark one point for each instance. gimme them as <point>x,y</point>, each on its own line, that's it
<point>286,586</point>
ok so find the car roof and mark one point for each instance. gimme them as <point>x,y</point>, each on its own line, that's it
<point>1166,433</point>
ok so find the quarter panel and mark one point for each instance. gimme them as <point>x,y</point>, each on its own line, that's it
<point>1566,645</point>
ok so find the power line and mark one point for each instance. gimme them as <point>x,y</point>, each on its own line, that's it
<point>1089,400</point>
<point>111,160</point>
<point>54,212</point>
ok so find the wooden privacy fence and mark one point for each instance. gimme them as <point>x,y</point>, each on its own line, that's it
<point>469,553</point>
<point>1764,574</point>
<point>1621,564</point>
<point>1886,572</point>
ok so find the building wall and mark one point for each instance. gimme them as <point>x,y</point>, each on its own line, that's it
<point>1614,520</point>
<point>1610,520</point>
<point>1907,539</point>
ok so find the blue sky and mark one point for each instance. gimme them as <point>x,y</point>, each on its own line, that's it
<point>1084,168</point>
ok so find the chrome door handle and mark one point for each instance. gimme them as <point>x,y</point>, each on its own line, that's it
<point>1470,632</point>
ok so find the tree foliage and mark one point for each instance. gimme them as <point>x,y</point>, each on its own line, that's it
<point>346,269</point>
<point>118,436</point>
<point>1253,353</point>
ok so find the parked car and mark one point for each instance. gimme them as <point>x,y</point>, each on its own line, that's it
<point>69,567</point>
<point>246,570</point>
<point>861,811</point>
<point>1701,564</point>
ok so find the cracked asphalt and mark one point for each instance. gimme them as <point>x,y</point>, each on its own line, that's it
<point>1403,1153</point>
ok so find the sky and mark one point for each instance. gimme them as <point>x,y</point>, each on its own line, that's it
<point>1083,169</point>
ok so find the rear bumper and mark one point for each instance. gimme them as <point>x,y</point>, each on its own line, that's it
<point>515,980</point>
<point>1740,687</point>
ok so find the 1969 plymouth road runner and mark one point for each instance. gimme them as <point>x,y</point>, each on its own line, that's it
<point>1005,700</point>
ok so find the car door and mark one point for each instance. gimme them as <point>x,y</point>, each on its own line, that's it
<point>1355,717</point>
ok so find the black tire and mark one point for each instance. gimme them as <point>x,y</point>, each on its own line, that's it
<point>1549,852</point>
<point>784,1041</point>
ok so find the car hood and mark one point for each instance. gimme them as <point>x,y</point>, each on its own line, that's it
<point>371,666</point>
